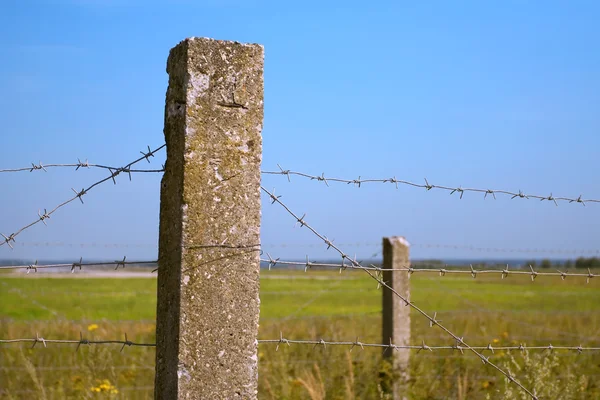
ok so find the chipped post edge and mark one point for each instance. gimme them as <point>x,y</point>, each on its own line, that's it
<point>396,316</point>
<point>209,234</point>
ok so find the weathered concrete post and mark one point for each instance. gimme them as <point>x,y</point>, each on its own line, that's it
<point>208,275</point>
<point>396,315</point>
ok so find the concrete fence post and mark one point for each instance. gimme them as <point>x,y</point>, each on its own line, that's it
<point>209,239</point>
<point>396,315</point>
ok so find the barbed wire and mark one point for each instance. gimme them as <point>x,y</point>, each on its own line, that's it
<point>40,166</point>
<point>78,195</point>
<point>459,346</point>
<point>76,367</point>
<point>477,308</point>
<point>272,262</point>
<point>380,283</point>
<point>82,340</point>
<point>81,164</point>
<point>80,264</point>
<point>458,190</point>
<point>423,346</point>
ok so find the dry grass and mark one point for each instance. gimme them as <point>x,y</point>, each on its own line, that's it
<point>509,312</point>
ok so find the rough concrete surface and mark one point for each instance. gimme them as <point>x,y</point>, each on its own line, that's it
<point>396,315</point>
<point>208,280</point>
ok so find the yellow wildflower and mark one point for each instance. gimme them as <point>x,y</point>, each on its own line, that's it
<point>105,387</point>
<point>92,327</point>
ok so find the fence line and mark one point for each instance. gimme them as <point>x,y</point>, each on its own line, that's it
<point>76,367</point>
<point>459,190</point>
<point>478,308</point>
<point>272,262</point>
<point>78,195</point>
<point>318,343</point>
<point>79,342</point>
<point>40,166</point>
<point>117,263</point>
<point>380,283</point>
<point>254,102</point>
<point>343,265</point>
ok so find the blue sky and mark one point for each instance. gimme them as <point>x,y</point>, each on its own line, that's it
<point>478,94</point>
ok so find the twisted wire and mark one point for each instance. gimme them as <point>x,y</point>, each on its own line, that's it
<point>432,319</point>
<point>78,195</point>
<point>503,273</point>
<point>316,343</point>
<point>428,186</point>
<point>73,266</point>
<point>80,164</point>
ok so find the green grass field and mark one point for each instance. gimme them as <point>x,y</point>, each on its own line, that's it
<point>314,305</point>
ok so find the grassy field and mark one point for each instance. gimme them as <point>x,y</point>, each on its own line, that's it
<point>309,306</point>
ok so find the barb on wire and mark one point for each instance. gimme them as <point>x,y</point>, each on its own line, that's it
<point>439,271</point>
<point>80,164</point>
<point>78,195</point>
<point>78,342</point>
<point>315,343</point>
<point>118,263</point>
<point>427,186</point>
<point>433,321</point>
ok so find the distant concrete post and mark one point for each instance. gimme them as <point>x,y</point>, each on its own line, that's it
<point>208,275</point>
<point>396,315</point>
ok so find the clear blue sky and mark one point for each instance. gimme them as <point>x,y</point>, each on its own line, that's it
<point>498,94</point>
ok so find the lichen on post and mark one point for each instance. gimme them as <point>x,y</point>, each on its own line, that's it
<point>396,315</point>
<point>209,236</point>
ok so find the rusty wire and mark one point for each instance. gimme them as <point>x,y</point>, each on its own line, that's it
<point>377,276</point>
<point>78,195</point>
<point>428,186</point>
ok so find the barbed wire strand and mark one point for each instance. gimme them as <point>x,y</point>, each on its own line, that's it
<point>80,164</point>
<point>459,296</point>
<point>272,262</point>
<point>432,319</point>
<point>78,195</point>
<point>82,340</point>
<point>40,166</point>
<point>76,367</point>
<point>459,190</point>
<point>320,342</point>
<point>117,263</point>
